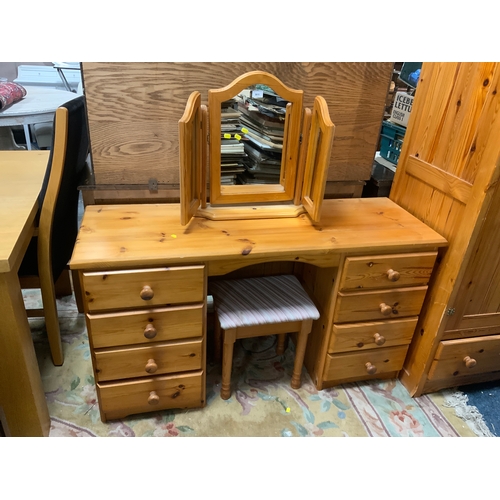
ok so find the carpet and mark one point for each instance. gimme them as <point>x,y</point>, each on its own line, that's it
<point>262,403</point>
<point>486,397</point>
<point>479,406</point>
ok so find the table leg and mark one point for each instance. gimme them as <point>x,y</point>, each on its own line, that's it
<point>63,78</point>
<point>27,135</point>
<point>24,410</point>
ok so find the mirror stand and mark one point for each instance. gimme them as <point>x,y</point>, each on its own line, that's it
<point>268,157</point>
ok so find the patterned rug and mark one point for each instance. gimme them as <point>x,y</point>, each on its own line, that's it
<point>262,402</point>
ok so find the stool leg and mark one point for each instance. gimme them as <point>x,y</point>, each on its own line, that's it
<point>217,340</point>
<point>280,348</point>
<point>227,362</point>
<point>300,352</point>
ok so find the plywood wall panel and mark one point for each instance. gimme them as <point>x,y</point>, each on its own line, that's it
<point>134,109</point>
<point>133,152</point>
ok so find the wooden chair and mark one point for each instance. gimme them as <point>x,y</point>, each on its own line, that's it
<point>7,140</point>
<point>46,259</point>
<point>254,307</point>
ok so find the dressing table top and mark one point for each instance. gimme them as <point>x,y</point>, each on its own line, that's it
<point>121,236</point>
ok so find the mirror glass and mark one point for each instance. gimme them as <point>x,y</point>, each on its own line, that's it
<point>252,132</point>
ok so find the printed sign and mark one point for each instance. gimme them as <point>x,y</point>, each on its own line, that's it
<point>401,109</point>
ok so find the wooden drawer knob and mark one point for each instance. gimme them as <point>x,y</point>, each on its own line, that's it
<point>392,275</point>
<point>151,366</point>
<point>153,399</point>
<point>385,309</point>
<point>370,369</point>
<point>379,340</point>
<point>470,362</point>
<point>150,331</point>
<point>147,293</point>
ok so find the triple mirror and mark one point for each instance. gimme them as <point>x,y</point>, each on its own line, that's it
<point>256,149</point>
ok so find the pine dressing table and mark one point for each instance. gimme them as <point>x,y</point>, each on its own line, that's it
<point>144,279</point>
<point>144,270</point>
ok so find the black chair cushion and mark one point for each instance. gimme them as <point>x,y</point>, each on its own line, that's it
<point>65,222</point>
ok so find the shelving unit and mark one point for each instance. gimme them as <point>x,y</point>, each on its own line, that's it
<point>391,136</point>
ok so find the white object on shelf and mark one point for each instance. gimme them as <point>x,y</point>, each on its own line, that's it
<point>384,162</point>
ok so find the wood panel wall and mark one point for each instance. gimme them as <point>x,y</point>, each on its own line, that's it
<point>134,109</point>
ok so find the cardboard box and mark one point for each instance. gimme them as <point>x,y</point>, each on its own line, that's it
<point>401,109</point>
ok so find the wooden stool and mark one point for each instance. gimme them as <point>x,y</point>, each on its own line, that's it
<point>254,307</point>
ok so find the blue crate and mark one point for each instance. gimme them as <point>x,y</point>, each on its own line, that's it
<point>408,71</point>
<point>391,141</point>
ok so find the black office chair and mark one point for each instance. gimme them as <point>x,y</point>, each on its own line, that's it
<point>46,259</point>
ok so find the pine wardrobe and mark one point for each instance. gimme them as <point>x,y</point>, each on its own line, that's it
<point>447,177</point>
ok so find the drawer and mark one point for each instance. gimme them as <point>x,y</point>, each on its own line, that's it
<point>153,325</point>
<point>456,358</point>
<point>379,304</point>
<point>378,334</point>
<point>117,400</point>
<point>143,287</point>
<point>371,363</point>
<point>387,271</point>
<point>157,359</point>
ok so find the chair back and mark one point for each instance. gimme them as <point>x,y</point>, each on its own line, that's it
<point>58,198</point>
<point>61,211</point>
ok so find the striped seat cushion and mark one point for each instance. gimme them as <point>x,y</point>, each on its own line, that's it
<point>261,301</point>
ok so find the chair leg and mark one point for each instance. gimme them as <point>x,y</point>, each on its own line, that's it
<point>63,285</point>
<point>227,363</point>
<point>280,347</point>
<point>300,352</point>
<point>51,318</point>
<point>7,140</point>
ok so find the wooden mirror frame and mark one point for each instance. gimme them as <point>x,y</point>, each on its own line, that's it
<point>319,145</point>
<point>308,137</point>
<point>255,193</point>
<point>192,140</point>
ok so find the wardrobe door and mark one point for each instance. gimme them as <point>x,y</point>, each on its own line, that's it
<point>476,309</point>
<point>317,160</point>
<point>192,147</point>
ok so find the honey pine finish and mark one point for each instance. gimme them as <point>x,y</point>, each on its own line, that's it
<point>144,276</point>
<point>447,176</point>
<point>307,143</point>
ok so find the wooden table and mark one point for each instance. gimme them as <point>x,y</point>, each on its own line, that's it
<point>38,106</point>
<point>23,409</point>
